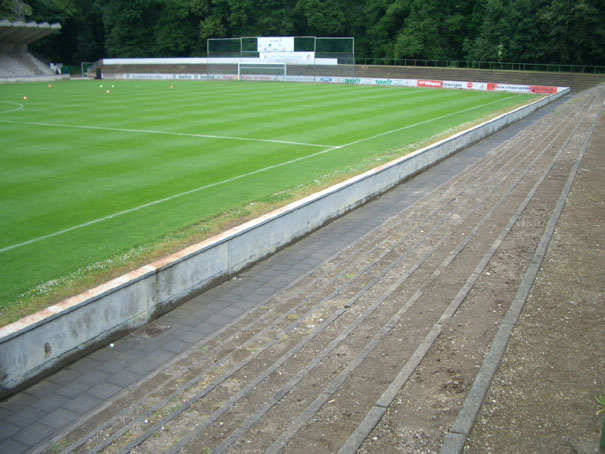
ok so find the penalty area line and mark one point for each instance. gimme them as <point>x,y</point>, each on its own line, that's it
<point>167,133</point>
<point>235,178</point>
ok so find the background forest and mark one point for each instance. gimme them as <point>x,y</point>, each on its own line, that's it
<point>529,31</point>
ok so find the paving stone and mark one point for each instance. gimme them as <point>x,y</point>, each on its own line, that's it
<point>124,378</point>
<point>73,389</point>
<point>130,356</point>
<point>231,312</point>
<point>33,434</point>
<point>265,292</point>
<point>93,377</point>
<point>216,304</point>
<point>176,346</point>
<point>84,365</point>
<point>142,367</point>
<point>41,388</point>
<point>218,320</point>
<point>149,345</point>
<point>183,311</point>
<point>59,418</point>
<point>247,303</point>
<point>50,402</point>
<point>216,291</point>
<point>63,377</point>
<point>254,283</point>
<point>193,321</point>
<point>26,416</point>
<point>257,298</point>
<point>12,447</point>
<point>82,403</point>
<point>170,319</point>
<point>192,337</point>
<point>104,391</point>
<point>104,354</point>
<point>7,429</point>
<point>242,290</point>
<point>125,345</point>
<point>112,366</point>
<point>17,402</point>
<point>159,357</point>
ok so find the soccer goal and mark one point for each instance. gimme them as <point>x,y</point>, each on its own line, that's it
<point>283,58</point>
<point>262,71</point>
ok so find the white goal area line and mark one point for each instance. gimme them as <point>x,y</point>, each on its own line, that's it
<point>237,177</point>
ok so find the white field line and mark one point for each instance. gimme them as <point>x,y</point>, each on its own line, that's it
<point>15,109</point>
<point>167,133</point>
<point>238,177</point>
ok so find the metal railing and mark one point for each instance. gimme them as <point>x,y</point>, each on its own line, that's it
<point>463,64</point>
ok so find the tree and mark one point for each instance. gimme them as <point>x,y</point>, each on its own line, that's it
<point>574,32</point>
<point>420,36</point>
<point>511,32</point>
<point>81,37</point>
<point>14,10</point>
<point>321,17</point>
<point>213,18</point>
<point>385,20</point>
<point>540,31</point>
<point>175,29</point>
<point>129,27</point>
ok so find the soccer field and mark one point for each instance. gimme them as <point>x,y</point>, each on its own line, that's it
<point>95,173</point>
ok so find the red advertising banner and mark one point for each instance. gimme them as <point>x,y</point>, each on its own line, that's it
<point>538,89</point>
<point>430,83</point>
<point>492,86</point>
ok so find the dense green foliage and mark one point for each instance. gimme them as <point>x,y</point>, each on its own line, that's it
<point>536,31</point>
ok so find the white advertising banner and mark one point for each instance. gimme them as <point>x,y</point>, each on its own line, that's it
<point>149,76</point>
<point>275,44</point>
<point>447,84</point>
<point>287,57</point>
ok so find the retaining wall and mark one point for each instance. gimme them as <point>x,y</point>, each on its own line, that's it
<point>39,344</point>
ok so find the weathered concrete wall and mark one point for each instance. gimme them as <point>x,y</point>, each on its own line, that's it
<point>40,343</point>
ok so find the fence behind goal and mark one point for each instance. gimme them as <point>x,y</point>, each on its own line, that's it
<point>292,58</point>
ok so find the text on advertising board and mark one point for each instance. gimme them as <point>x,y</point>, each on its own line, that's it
<point>430,83</point>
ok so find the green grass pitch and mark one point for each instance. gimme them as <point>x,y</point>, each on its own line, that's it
<point>92,170</point>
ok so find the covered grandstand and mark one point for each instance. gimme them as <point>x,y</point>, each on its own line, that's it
<point>16,63</point>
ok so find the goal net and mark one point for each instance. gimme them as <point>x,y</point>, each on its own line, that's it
<point>262,71</point>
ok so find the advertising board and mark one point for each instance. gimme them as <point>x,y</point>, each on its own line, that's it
<point>447,84</point>
<point>287,57</point>
<point>275,44</point>
<point>430,83</point>
<point>542,90</point>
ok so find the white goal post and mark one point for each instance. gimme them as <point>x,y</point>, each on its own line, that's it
<point>262,71</point>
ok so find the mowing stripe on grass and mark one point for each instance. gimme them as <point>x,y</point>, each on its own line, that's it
<point>228,180</point>
<point>382,134</point>
<point>168,133</point>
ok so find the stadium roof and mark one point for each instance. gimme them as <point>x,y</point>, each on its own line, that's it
<point>23,33</point>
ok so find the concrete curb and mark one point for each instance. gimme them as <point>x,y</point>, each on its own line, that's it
<point>39,344</point>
